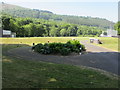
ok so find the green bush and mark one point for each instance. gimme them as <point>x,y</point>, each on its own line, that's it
<point>62,48</point>
<point>76,46</point>
<point>38,48</point>
<point>65,51</point>
<point>55,47</point>
<point>83,48</point>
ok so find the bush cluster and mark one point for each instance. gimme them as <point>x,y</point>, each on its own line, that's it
<point>59,48</point>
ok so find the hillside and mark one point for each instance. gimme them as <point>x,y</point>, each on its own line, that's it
<point>47,15</point>
<point>18,11</point>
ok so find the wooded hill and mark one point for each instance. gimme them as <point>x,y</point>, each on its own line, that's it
<point>47,15</point>
<point>35,27</point>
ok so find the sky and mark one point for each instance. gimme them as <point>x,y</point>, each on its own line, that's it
<point>107,9</point>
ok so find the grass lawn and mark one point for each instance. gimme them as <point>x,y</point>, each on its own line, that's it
<point>108,42</point>
<point>31,40</point>
<point>18,73</point>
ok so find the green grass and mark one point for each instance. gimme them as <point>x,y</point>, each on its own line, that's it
<point>6,47</point>
<point>108,42</point>
<point>31,40</point>
<point>18,73</point>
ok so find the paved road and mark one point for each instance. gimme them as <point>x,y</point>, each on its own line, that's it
<point>99,57</point>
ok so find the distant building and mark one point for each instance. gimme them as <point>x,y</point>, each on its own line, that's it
<point>7,33</point>
<point>110,33</point>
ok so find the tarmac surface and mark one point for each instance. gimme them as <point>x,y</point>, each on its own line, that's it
<point>97,57</point>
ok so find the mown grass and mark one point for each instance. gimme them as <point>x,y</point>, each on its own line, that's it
<point>31,40</point>
<point>6,47</point>
<point>108,42</point>
<point>19,73</point>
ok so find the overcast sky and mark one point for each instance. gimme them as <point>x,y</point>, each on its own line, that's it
<point>107,9</point>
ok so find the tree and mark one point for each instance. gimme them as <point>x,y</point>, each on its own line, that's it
<point>72,30</point>
<point>6,22</point>
<point>63,32</point>
<point>47,29</point>
<point>117,27</point>
<point>39,30</point>
<point>54,32</point>
<point>28,30</point>
<point>32,29</point>
<point>105,33</point>
<point>14,27</point>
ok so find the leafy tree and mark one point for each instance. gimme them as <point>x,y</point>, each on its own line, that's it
<point>72,31</point>
<point>39,30</point>
<point>28,30</point>
<point>14,27</point>
<point>105,33</point>
<point>63,32</point>
<point>54,32</point>
<point>117,27</point>
<point>6,22</point>
<point>47,29</point>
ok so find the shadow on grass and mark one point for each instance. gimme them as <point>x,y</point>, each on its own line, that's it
<point>6,47</point>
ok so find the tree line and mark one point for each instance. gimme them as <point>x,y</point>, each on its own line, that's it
<point>34,27</point>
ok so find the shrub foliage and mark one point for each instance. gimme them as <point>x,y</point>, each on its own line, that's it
<point>59,48</point>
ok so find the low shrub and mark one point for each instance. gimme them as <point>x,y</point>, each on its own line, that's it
<point>65,51</point>
<point>62,48</point>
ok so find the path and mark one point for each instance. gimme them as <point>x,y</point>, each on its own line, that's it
<point>99,58</point>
